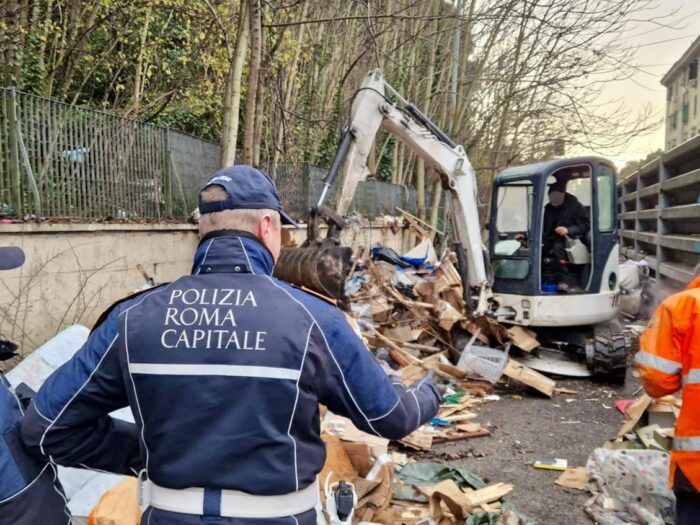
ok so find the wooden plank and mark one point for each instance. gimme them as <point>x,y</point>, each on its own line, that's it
<point>399,355</point>
<point>529,377</point>
<point>523,338</point>
<point>459,436</point>
<point>634,413</point>
<point>488,494</point>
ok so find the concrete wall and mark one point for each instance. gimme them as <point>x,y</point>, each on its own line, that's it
<point>660,212</point>
<point>74,271</point>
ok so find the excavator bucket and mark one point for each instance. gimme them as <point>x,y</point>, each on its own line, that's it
<point>321,269</point>
<point>320,264</point>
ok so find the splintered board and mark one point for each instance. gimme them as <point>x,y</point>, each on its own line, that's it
<point>529,377</point>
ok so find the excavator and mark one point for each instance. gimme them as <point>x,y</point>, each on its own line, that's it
<point>512,279</point>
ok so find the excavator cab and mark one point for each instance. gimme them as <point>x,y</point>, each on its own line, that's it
<point>551,281</point>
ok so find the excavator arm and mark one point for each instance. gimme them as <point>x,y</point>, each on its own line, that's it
<point>372,110</point>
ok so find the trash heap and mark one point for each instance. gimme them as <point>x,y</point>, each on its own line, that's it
<point>410,311</point>
<point>392,488</point>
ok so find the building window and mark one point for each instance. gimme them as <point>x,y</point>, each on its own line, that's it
<point>693,70</point>
<point>674,120</point>
<point>686,113</point>
<point>695,105</point>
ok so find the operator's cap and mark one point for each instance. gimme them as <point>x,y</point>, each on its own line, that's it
<point>248,189</point>
<point>11,257</point>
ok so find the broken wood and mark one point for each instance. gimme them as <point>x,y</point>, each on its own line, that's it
<point>634,413</point>
<point>418,439</point>
<point>529,377</point>
<point>488,494</point>
<point>447,315</point>
<point>458,436</point>
<point>403,333</point>
<point>523,338</point>
<point>448,492</point>
<point>397,353</point>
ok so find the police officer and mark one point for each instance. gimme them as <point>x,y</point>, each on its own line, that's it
<point>224,371</point>
<point>29,491</point>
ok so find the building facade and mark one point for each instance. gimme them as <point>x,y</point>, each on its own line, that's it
<point>682,94</point>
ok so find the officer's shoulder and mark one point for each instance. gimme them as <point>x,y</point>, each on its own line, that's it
<point>122,303</point>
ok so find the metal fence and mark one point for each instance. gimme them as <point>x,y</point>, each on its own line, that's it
<point>63,161</point>
<point>660,214</point>
<point>58,160</point>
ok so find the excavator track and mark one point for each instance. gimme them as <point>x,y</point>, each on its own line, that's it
<point>607,356</point>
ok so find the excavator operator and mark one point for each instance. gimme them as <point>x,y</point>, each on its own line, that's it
<point>564,216</point>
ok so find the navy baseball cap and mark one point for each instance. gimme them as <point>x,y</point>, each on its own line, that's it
<point>247,188</point>
<point>11,257</point>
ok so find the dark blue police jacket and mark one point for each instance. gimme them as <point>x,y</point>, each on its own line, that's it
<point>224,371</point>
<point>29,492</point>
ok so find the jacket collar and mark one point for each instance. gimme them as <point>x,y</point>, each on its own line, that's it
<point>232,251</point>
<point>695,283</point>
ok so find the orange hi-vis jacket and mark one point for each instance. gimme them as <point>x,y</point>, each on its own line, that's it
<point>668,360</point>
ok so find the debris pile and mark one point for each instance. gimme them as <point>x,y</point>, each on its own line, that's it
<point>392,489</point>
<point>649,423</point>
<point>410,310</point>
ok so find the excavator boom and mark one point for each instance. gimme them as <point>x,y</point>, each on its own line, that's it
<point>372,110</point>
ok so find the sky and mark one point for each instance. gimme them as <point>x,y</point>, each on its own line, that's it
<point>657,48</point>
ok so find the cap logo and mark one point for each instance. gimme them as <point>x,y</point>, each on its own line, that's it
<point>220,177</point>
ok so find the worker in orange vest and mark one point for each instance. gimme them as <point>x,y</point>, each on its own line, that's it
<point>669,361</point>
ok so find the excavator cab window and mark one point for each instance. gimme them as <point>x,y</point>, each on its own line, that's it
<point>513,230</point>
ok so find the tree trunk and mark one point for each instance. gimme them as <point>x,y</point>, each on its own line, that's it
<point>140,73</point>
<point>232,96</point>
<point>255,11</point>
<point>288,90</point>
<point>259,119</point>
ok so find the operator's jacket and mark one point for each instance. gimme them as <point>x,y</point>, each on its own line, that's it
<point>224,371</point>
<point>668,361</point>
<point>571,214</point>
<point>29,491</point>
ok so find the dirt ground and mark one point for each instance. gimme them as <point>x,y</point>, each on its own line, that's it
<point>524,426</point>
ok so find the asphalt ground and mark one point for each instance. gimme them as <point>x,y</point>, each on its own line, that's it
<point>525,425</point>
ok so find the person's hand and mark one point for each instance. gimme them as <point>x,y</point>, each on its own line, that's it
<point>520,237</point>
<point>561,230</point>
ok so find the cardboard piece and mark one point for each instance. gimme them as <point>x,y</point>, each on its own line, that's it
<point>573,478</point>
<point>403,333</point>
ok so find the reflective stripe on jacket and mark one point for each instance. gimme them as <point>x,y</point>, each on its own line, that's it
<point>668,361</point>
